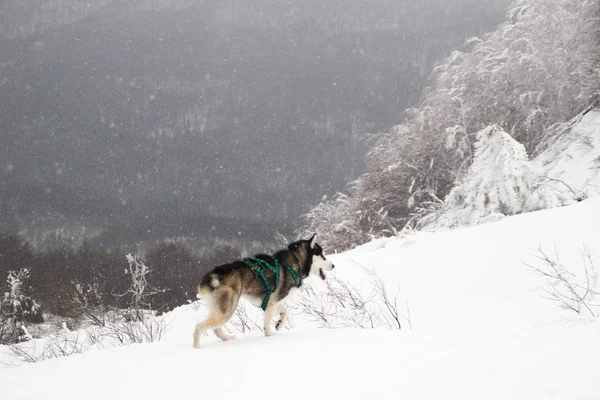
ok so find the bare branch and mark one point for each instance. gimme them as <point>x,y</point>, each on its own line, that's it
<point>565,288</point>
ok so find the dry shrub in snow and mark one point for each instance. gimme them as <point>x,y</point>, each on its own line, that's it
<point>114,334</point>
<point>336,304</point>
<point>136,324</point>
<point>339,305</point>
<point>566,289</point>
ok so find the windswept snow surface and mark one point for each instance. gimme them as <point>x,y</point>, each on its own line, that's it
<point>481,329</point>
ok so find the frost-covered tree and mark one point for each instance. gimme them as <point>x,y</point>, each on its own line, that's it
<point>369,209</point>
<point>500,182</point>
<point>139,291</point>
<point>535,72</point>
<point>332,218</point>
<point>17,309</point>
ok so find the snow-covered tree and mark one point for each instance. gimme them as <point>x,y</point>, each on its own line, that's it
<point>17,309</point>
<point>333,218</point>
<point>500,182</point>
<point>139,290</point>
<point>535,72</point>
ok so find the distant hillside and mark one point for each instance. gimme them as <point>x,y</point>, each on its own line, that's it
<point>234,109</point>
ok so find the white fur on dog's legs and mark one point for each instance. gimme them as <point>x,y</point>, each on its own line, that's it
<point>218,314</point>
<point>203,327</point>
<point>222,335</point>
<point>282,310</point>
<point>271,308</point>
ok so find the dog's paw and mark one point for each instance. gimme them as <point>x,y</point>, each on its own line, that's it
<point>269,333</point>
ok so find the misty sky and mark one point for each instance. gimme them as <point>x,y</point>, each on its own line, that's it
<point>128,120</point>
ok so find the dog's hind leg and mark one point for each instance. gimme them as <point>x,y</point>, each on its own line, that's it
<point>282,310</point>
<point>222,335</point>
<point>223,303</point>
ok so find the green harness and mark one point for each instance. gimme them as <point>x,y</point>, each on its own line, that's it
<point>258,266</point>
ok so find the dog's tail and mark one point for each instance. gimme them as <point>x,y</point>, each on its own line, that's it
<point>209,283</point>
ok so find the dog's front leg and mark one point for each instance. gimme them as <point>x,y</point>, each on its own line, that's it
<point>271,308</point>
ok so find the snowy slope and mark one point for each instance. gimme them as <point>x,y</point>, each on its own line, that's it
<point>481,329</point>
<point>329,364</point>
<point>475,277</point>
<point>575,158</point>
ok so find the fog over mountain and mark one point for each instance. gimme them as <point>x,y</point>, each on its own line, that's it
<point>132,120</point>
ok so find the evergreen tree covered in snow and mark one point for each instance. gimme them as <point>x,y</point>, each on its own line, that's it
<point>500,182</point>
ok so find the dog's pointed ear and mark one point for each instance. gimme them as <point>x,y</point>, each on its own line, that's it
<point>313,241</point>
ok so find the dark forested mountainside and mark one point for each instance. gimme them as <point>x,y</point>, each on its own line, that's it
<point>141,120</point>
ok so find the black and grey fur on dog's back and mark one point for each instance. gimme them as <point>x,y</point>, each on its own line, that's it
<point>241,271</point>
<point>223,286</point>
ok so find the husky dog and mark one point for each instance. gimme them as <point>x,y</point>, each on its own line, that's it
<point>265,280</point>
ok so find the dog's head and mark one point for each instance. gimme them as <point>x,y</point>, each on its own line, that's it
<point>311,256</point>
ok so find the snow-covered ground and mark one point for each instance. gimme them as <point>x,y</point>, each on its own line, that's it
<point>481,328</point>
